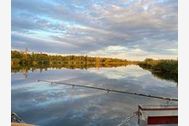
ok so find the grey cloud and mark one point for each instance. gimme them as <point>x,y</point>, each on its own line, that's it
<point>150,25</point>
<point>44,45</point>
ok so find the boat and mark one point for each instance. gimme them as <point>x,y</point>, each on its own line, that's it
<point>157,115</point>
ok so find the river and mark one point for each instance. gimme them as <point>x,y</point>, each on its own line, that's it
<point>47,104</point>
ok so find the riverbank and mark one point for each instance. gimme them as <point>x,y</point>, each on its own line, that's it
<point>24,60</point>
<point>166,69</point>
<point>42,60</point>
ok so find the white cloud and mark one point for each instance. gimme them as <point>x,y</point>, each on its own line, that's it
<point>130,53</point>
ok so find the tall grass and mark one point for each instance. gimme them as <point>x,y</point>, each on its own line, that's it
<point>166,69</point>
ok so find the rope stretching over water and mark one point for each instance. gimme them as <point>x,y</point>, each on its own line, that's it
<point>110,90</point>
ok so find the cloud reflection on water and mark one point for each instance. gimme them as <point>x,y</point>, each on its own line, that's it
<point>120,72</point>
<point>45,104</point>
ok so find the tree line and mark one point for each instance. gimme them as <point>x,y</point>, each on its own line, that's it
<point>23,59</point>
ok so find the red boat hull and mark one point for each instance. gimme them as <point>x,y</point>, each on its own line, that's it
<point>152,120</point>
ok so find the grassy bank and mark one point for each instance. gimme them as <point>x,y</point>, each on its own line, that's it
<point>166,69</point>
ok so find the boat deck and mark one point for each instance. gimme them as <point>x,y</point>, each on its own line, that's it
<point>165,115</point>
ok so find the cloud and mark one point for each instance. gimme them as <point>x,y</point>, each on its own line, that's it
<point>22,41</point>
<point>97,27</point>
<point>133,53</point>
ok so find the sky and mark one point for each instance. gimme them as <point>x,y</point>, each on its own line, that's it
<point>128,29</point>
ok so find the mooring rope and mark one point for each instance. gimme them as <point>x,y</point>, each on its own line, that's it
<point>111,90</point>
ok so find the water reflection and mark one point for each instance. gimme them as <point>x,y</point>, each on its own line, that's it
<point>46,104</point>
<point>113,73</point>
<point>120,72</point>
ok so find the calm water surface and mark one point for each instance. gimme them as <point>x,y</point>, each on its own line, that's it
<point>45,104</point>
